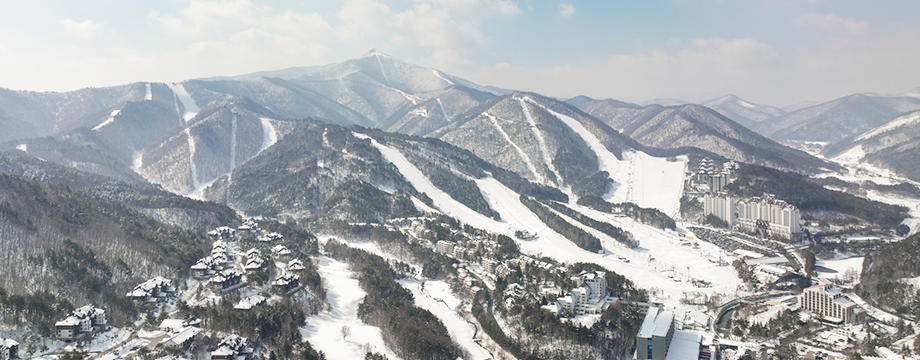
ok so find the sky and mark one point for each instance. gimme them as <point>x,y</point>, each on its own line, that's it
<point>775,52</point>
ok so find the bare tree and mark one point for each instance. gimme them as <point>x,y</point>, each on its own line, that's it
<point>345,331</point>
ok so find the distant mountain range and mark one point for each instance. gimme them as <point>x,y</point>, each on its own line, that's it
<point>185,136</point>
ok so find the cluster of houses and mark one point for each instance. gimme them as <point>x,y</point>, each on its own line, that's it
<point>80,322</point>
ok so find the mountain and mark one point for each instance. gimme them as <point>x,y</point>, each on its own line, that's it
<point>836,120</point>
<point>28,114</point>
<point>146,198</point>
<point>741,111</point>
<point>366,91</point>
<point>893,145</point>
<point>529,134</point>
<point>695,128</point>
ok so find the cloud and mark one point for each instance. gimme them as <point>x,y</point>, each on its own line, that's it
<point>831,23</point>
<point>87,29</point>
<point>566,10</point>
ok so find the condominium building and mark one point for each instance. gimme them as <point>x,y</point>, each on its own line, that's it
<point>827,302</point>
<point>762,214</point>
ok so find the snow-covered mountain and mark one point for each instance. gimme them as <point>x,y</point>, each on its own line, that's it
<point>743,112</point>
<point>697,129</point>
<point>893,145</point>
<point>837,119</point>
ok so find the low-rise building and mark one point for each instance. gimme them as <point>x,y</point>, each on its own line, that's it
<point>444,247</point>
<point>227,279</point>
<point>82,321</point>
<point>152,290</point>
<point>232,347</point>
<point>9,349</point>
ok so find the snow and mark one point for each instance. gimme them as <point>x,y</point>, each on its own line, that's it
<point>441,105</point>
<point>191,108</point>
<point>110,120</point>
<point>642,179</point>
<point>891,125</point>
<point>853,155</point>
<point>438,74</point>
<point>149,94</point>
<point>461,331</point>
<point>23,147</point>
<point>670,257</point>
<point>541,141</point>
<point>523,156</point>
<point>747,104</point>
<point>377,56</point>
<point>841,265</point>
<point>196,185</point>
<point>344,294</point>
<point>270,135</point>
<point>232,142</point>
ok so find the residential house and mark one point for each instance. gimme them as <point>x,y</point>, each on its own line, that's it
<point>152,290</point>
<point>250,302</point>
<point>223,232</point>
<point>287,282</point>
<point>228,279</point>
<point>9,349</point>
<point>273,236</point>
<point>232,347</point>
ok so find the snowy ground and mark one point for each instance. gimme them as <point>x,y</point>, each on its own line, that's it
<point>670,257</point>
<point>343,294</point>
<point>438,299</point>
<point>840,266</point>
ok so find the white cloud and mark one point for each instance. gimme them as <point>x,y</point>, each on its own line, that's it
<point>831,23</point>
<point>566,10</point>
<point>87,29</point>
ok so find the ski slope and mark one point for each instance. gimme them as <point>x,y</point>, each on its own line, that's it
<point>642,179</point>
<point>344,294</point>
<point>461,331</point>
<point>191,108</point>
<point>670,257</point>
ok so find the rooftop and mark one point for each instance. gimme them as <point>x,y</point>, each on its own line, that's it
<point>656,323</point>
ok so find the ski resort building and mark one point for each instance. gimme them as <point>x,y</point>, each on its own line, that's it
<point>765,214</point>
<point>655,335</point>
<point>828,303</point>
<point>589,298</point>
<point>80,322</point>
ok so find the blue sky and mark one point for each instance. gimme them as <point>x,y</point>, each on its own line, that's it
<point>776,52</point>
